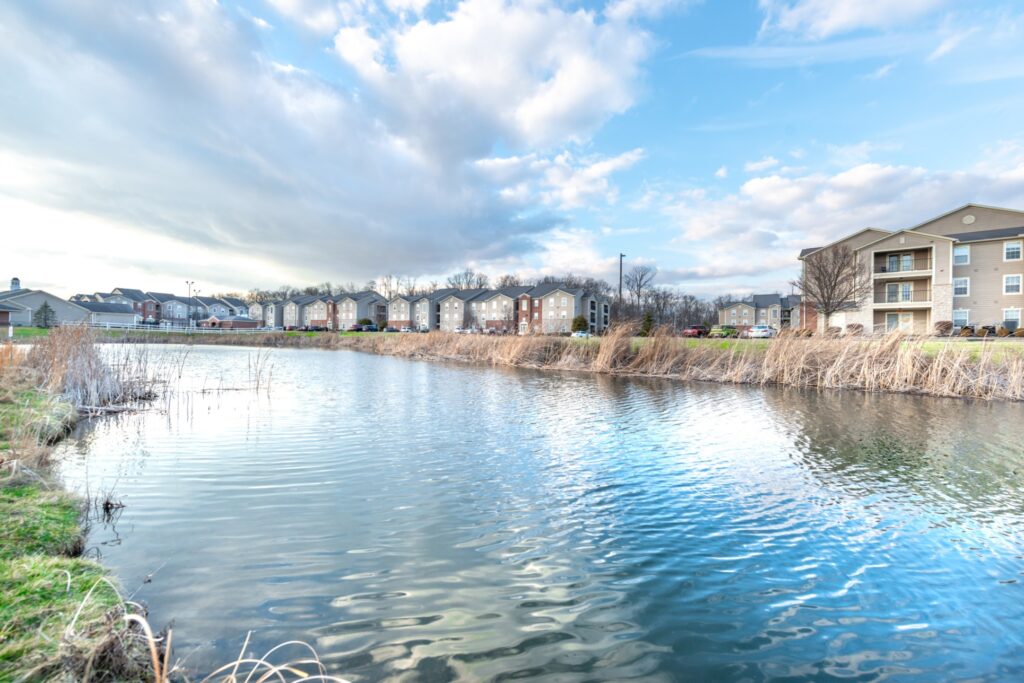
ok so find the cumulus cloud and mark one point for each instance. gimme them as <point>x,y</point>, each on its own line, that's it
<point>779,215</point>
<point>195,133</point>
<point>722,172</point>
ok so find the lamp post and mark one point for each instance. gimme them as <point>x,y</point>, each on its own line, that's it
<point>621,256</point>
<point>188,304</point>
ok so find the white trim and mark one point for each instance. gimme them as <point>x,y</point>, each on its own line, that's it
<point>1020,284</point>
<point>961,208</point>
<point>968,292</point>
<point>962,246</point>
<point>902,232</point>
<point>1020,244</point>
<point>843,239</point>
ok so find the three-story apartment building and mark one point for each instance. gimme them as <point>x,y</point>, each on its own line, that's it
<point>964,266</point>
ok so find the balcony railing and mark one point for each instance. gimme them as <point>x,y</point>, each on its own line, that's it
<point>916,296</point>
<point>904,266</point>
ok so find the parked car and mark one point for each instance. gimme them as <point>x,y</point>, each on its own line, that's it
<point>723,331</point>
<point>371,328</point>
<point>390,329</point>
<point>581,334</point>
<point>406,328</point>
<point>695,331</point>
<point>761,332</point>
<point>355,328</point>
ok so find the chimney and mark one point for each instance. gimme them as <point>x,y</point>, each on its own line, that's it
<point>15,284</point>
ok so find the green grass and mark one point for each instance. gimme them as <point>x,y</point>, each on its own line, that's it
<point>27,332</point>
<point>42,586</point>
<point>29,412</point>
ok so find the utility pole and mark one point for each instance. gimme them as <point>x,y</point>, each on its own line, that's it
<point>188,306</point>
<point>621,256</point>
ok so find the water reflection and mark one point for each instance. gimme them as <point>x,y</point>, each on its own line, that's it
<point>420,521</point>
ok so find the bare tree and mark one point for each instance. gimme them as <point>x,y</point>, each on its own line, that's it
<point>480,281</point>
<point>834,280</point>
<point>464,279</point>
<point>387,286</point>
<point>508,280</point>
<point>638,280</point>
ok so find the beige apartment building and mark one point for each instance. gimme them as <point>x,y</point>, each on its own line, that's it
<point>964,266</point>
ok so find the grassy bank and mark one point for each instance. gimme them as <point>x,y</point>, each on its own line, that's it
<point>894,363</point>
<point>62,616</point>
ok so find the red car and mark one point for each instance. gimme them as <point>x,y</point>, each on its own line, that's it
<point>695,331</point>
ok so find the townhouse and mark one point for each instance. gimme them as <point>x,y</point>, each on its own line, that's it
<point>498,309</point>
<point>550,309</point>
<point>293,309</point>
<point>454,309</point>
<point>965,266</point>
<point>172,309</point>
<point>144,305</point>
<point>21,306</point>
<point>773,310</point>
<point>349,309</point>
<point>317,313</point>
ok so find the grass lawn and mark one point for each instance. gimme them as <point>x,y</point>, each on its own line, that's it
<point>28,332</point>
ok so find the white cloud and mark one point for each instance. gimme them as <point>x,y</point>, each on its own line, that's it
<point>761,165</point>
<point>722,172</point>
<point>562,74</point>
<point>780,215</point>
<point>623,10</point>
<point>818,19</point>
<point>950,43</point>
<point>318,16</point>
<point>859,153</point>
<point>881,72</point>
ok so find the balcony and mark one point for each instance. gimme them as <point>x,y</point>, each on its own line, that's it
<point>903,265</point>
<point>903,296</point>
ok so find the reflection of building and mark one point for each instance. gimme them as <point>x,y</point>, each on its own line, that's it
<point>965,266</point>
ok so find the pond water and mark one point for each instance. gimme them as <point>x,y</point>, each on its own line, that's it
<point>423,521</point>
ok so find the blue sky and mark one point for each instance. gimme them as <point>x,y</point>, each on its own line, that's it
<point>256,143</point>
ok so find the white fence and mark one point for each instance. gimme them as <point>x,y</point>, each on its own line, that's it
<point>177,329</point>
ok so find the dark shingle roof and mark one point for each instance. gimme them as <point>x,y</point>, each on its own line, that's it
<point>233,301</point>
<point>766,300</point>
<point>133,294</point>
<point>163,297</point>
<point>791,301</point>
<point>104,307</point>
<point>980,235</point>
<point>11,307</point>
<point>809,250</point>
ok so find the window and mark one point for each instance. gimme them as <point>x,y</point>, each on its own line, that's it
<point>1011,284</point>
<point>961,317</point>
<point>551,301</point>
<point>962,255</point>
<point>1011,251</point>
<point>535,315</point>
<point>525,304</point>
<point>1012,315</point>
<point>564,301</point>
<point>961,286</point>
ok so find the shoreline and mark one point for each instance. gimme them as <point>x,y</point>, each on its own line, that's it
<point>943,367</point>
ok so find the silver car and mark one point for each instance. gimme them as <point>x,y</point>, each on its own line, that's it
<point>761,332</point>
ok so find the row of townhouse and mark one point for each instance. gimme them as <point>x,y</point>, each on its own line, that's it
<point>329,312</point>
<point>965,266</point>
<point>773,310</point>
<point>548,308</point>
<point>21,306</point>
<point>172,309</point>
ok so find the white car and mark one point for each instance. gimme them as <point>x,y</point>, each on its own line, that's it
<point>761,332</point>
<point>405,328</point>
<point>581,335</point>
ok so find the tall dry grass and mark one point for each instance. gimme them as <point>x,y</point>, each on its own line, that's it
<point>894,363</point>
<point>71,365</point>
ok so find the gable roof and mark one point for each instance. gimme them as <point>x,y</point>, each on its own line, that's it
<point>982,235</point>
<point>969,205</point>
<point>133,294</point>
<point>808,252</point>
<point>233,301</point>
<point>900,232</point>
<point>465,294</point>
<point>766,300</point>
<point>163,297</point>
<point>104,307</point>
<point>12,306</point>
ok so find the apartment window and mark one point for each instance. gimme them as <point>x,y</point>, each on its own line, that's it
<point>1012,251</point>
<point>564,301</point>
<point>961,317</point>
<point>1011,284</point>
<point>536,315</point>
<point>962,255</point>
<point>961,286</point>
<point>525,305</point>
<point>563,314</point>
<point>551,301</point>
<point>1012,315</point>
<point>494,304</point>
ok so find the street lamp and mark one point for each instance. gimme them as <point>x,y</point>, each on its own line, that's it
<point>621,256</point>
<point>188,304</point>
